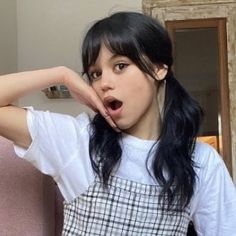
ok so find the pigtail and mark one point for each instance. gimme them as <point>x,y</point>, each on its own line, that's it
<point>104,148</point>
<point>182,117</point>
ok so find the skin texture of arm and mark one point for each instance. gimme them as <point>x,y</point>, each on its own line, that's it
<point>13,124</point>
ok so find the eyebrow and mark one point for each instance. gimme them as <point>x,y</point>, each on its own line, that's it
<point>115,56</point>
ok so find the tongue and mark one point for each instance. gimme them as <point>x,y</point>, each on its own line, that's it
<point>116,105</point>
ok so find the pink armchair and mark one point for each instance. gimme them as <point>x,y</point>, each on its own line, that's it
<point>30,203</point>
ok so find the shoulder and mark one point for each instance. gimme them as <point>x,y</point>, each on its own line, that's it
<point>213,205</point>
<point>205,156</point>
<point>208,165</point>
<point>56,121</point>
<point>202,148</point>
<point>83,120</point>
<point>211,171</point>
<point>54,133</point>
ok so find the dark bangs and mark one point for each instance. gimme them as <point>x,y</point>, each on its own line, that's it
<point>118,39</point>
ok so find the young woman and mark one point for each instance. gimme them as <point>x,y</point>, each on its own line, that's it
<point>135,167</point>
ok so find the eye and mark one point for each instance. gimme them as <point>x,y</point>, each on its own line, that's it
<point>120,66</point>
<point>95,75</point>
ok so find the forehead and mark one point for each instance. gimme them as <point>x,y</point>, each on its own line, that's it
<point>104,53</point>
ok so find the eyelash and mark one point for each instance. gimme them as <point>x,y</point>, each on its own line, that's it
<point>124,65</point>
<point>94,74</point>
<point>119,67</point>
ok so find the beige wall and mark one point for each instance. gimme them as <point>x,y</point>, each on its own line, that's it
<point>8,36</point>
<point>50,34</point>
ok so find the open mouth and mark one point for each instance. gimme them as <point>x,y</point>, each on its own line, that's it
<point>113,103</point>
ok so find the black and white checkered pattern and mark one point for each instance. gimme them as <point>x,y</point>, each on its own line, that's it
<point>125,208</point>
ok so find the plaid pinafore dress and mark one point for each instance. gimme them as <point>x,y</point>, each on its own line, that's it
<point>124,208</point>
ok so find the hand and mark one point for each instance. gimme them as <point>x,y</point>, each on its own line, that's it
<point>85,94</point>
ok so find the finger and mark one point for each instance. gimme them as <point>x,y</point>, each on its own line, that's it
<point>102,110</point>
<point>92,100</point>
<point>111,122</point>
<point>108,118</point>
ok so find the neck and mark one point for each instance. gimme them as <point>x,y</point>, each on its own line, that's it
<point>149,125</point>
<point>151,133</point>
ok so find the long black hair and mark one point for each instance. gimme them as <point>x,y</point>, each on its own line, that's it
<point>142,39</point>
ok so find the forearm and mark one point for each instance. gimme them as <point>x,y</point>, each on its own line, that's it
<point>14,86</point>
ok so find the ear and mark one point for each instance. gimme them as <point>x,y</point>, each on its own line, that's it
<point>161,71</point>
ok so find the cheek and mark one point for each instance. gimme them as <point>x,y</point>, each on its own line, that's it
<point>147,95</point>
<point>144,90</point>
<point>140,98</point>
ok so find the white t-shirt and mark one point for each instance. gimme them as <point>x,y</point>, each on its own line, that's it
<point>60,148</point>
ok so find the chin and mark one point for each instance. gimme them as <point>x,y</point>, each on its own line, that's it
<point>125,125</point>
<point>122,124</point>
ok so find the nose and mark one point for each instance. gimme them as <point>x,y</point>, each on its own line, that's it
<point>107,82</point>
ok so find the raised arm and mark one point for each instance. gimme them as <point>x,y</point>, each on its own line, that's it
<point>13,123</point>
<point>13,86</point>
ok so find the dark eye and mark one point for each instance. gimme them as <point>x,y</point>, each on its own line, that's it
<point>120,66</point>
<point>95,75</point>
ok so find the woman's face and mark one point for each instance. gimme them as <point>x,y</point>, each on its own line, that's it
<point>128,93</point>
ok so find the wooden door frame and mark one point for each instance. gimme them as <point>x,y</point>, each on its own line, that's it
<point>220,25</point>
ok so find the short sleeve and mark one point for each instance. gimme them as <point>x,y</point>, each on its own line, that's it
<point>59,148</point>
<point>215,208</point>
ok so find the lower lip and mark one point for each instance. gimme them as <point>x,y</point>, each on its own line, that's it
<point>114,113</point>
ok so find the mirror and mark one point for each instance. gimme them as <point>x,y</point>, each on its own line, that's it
<point>200,65</point>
